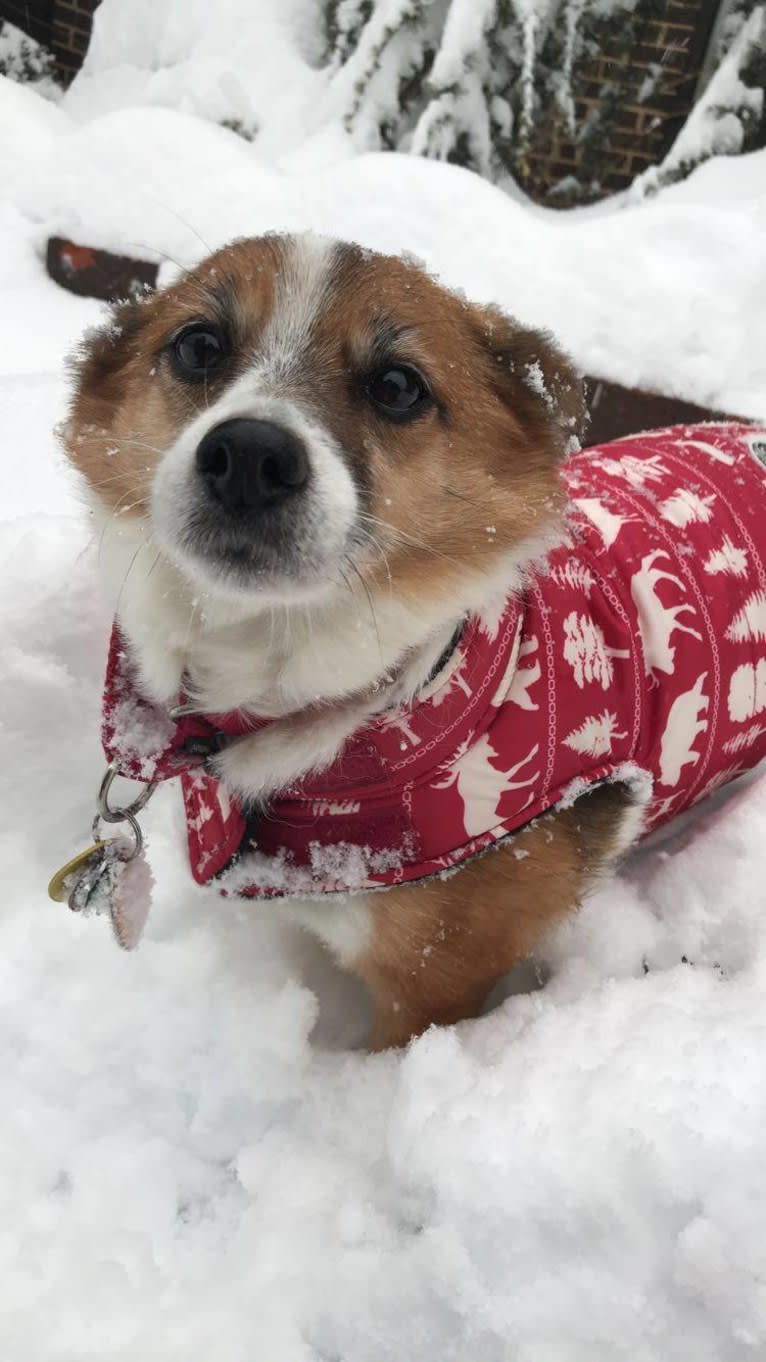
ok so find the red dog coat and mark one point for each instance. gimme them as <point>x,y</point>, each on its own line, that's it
<point>638,651</point>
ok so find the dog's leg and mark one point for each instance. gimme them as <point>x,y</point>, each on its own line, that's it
<point>437,948</point>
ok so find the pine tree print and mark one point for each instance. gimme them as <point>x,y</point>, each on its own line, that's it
<point>587,652</point>
<point>575,574</point>
<point>595,735</point>
<point>728,558</point>
<point>747,691</point>
<point>741,741</point>
<point>685,507</point>
<point>751,620</point>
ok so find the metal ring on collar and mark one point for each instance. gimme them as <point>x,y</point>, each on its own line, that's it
<point>126,813</point>
<point>135,828</point>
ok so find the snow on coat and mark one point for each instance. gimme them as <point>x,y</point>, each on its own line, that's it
<point>638,651</point>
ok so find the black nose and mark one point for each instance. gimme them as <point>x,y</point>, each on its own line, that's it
<point>249,465</point>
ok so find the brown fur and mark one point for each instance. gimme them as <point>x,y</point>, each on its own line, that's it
<point>439,947</point>
<point>128,407</point>
<point>490,444</point>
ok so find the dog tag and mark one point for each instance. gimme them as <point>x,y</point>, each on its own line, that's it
<point>64,880</point>
<point>108,877</point>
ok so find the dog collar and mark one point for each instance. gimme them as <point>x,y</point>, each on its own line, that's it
<point>317,835</point>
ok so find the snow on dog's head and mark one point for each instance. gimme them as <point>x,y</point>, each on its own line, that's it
<point>294,410</point>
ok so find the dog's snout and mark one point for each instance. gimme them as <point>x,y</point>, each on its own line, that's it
<point>250,465</point>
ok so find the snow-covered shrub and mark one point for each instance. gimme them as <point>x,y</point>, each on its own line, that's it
<point>731,115</point>
<point>25,60</point>
<point>483,82</point>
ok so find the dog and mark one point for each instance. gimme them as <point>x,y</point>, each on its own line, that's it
<point>425,670</point>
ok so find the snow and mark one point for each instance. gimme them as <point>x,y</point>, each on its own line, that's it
<point>194,1161</point>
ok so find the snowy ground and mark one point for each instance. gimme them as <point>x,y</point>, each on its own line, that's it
<point>191,1165</point>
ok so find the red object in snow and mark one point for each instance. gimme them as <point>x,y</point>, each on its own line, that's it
<point>94,273</point>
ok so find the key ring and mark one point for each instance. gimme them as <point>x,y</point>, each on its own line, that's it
<point>133,824</point>
<point>128,812</point>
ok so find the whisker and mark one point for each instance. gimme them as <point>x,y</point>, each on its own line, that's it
<point>131,564</point>
<point>376,544</point>
<point>154,564</point>
<point>368,594</point>
<point>119,509</point>
<point>453,492</point>
<point>179,218</point>
<point>407,538</point>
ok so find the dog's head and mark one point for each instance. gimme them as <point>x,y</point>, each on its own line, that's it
<point>296,410</point>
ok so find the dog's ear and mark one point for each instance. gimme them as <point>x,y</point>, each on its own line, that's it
<point>528,372</point>
<point>99,365</point>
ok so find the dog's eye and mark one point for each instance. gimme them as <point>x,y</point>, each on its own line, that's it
<point>198,350</point>
<point>398,391</point>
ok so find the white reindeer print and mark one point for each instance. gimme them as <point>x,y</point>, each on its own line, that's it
<point>658,622</point>
<point>525,677</point>
<point>713,452</point>
<point>500,693</point>
<point>202,788</point>
<point>481,786</point>
<point>587,651</point>
<point>400,720</point>
<point>750,622</point>
<point>636,472</point>
<point>757,446</point>
<point>661,807</point>
<point>605,521</point>
<point>595,735</point>
<point>683,726</point>
<point>684,507</point>
<point>728,558</point>
<point>747,691</point>
<point>443,688</point>
<point>203,816</point>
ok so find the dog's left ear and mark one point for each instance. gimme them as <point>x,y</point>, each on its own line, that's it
<point>528,372</point>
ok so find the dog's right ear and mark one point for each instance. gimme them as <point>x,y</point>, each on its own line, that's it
<point>535,380</point>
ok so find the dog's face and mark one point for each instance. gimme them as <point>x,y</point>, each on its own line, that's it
<point>295,410</point>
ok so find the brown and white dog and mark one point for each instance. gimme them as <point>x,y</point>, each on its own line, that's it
<point>310,463</point>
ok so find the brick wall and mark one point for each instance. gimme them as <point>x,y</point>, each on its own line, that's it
<point>63,26</point>
<point>631,100</point>
<point>70,33</point>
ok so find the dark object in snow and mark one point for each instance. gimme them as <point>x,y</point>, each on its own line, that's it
<point>98,274</point>
<point>614,410</point>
